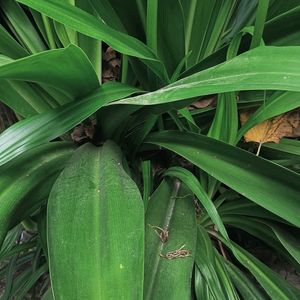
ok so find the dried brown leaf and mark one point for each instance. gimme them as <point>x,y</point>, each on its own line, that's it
<point>204,102</point>
<point>272,130</point>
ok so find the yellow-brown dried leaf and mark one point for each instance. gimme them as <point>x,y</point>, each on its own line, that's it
<point>272,130</point>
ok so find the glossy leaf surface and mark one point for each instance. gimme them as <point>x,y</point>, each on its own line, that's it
<point>96,228</point>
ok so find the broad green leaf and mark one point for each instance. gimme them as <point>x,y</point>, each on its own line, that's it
<point>87,24</point>
<point>269,185</point>
<point>26,182</point>
<point>65,69</point>
<point>257,69</point>
<point>96,209</point>
<point>170,226</point>
<point>34,131</point>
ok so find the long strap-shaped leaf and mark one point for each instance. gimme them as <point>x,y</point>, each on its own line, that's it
<point>66,69</point>
<point>276,287</point>
<point>41,128</point>
<point>258,69</point>
<point>26,182</point>
<point>170,226</point>
<point>85,23</point>
<point>96,228</point>
<point>190,180</point>
<point>269,185</point>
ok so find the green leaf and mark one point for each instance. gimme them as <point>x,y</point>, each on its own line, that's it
<point>90,46</point>
<point>207,22</point>
<point>17,101</point>
<point>33,278</point>
<point>285,149</point>
<point>85,23</point>
<point>26,182</point>
<point>170,34</point>
<point>257,69</point>
<point>190,180</point>
<point>48,295</point>
<point>147,181</point>
<point>245,286</point>
<point>34,131</point>
<point>20,24</point>
<point>206,262</point>
<point>283,30</point>
<point>95,208</point>
<point>10,241</point>
<point>9,46</point>
<point>105,11</point>
<point>274,285</point>
<point>151,26</point>
<point>290,242</point>
<point>225,280</point>
<point>171,208</point>
<point>261,15</point>
<point>269,185</point>
<point>67,69</point>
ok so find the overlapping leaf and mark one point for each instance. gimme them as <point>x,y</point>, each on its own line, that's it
<point>26,182</point>
<point>257,69</point>
<point>66,69</point>
<point>269,185</point>
<point>41,128</point>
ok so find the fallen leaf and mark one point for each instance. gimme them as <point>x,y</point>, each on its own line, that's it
<point>272,130</point>
<point>209,101</point>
